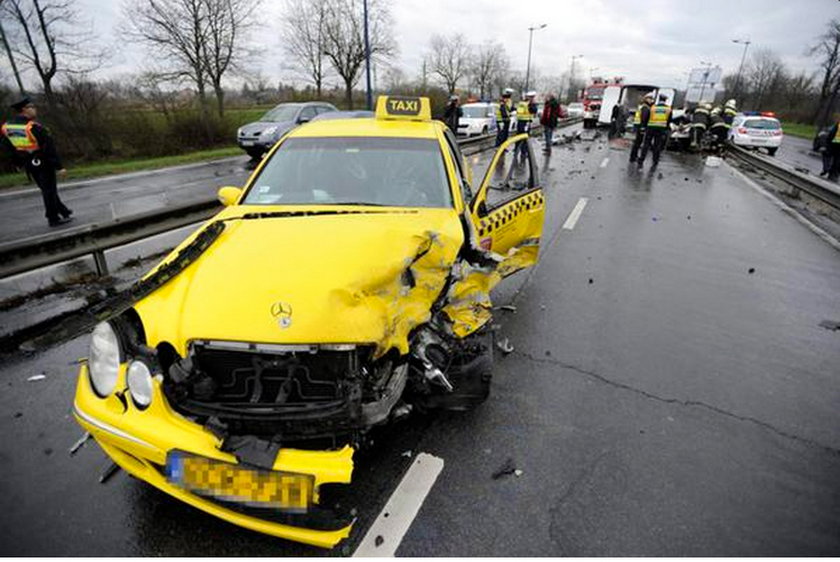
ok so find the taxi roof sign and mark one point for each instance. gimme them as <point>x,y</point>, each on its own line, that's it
<point>404,108</point>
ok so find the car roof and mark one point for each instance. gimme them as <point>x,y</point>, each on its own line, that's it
<point>368,127</point>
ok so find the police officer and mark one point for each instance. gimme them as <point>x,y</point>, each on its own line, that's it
<point>32,148</point>
<point>658,123</point>
<point>640,122</point>
<point>834,150</point>
<point>526,110</point>
<point>453,113</point>
<point>503,116</point>
<point>699,123</point>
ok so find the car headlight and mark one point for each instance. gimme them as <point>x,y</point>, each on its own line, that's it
<point>140,383</point>
<point>104,359</point>
<point>268,132</point>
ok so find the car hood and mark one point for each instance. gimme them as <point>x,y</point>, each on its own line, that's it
<point>366,277</point>
<point>253,129</point>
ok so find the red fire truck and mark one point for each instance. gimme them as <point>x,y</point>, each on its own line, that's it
<point>592,98</point>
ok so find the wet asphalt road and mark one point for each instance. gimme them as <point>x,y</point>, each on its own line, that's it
<point>661,399</point>
<point>797,152</point>
<point>106,199</point>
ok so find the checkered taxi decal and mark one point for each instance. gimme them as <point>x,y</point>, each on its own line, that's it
<point>506,213</point>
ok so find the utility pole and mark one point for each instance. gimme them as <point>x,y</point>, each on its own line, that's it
<point>746,43</point>
<point>367,58</point>
<point>530,42</point>
<point>12,61</point>
<point>572,76</point>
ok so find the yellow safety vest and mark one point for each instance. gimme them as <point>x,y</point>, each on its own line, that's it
<point>659,116</point>
<point>522,111</point>
<point>506,102</point>
<point>637,117</point>
<point>20,135</point>
<point>729,111</point>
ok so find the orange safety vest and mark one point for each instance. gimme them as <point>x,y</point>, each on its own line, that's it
<point>21,137</point>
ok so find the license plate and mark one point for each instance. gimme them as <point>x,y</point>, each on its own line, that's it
<point>236,483</point>
<point>246,143</point>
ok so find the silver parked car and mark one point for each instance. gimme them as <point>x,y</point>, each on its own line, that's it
<point>256,138</point>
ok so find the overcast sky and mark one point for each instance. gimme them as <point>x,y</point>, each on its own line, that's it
<point>647,41</point>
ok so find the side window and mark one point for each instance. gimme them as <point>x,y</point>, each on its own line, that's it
<point>514,174</point>
<point>306,114</point>
<point>324,109</point>
<point>455,154</point>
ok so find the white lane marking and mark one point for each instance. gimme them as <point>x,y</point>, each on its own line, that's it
<point>575,214</point>
<point>604,162</point>
<point>833,242</point>
<point>399,512</point>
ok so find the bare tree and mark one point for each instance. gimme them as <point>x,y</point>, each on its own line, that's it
<point>11,58</point>
<point>765,74</point>
<point>345,40</point>
<point>304,38</point>
<point>224,48</point>
<point>449,58</point>
<point>176,30</point>
<point>827,49</point>
<point>489,61</point>
<point>50,38</point>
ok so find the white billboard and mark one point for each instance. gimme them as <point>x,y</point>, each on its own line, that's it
<point>702,83</point>
<point>705,74</point>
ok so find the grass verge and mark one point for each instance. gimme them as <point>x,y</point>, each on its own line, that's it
<point>97,169</point>
<point>802,130</point>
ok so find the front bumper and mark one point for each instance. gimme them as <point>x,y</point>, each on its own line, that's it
<point>139,440</point>
<point>766,142</point>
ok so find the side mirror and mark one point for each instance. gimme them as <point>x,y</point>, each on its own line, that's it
<point>229,195</point>
<point>302,120</point>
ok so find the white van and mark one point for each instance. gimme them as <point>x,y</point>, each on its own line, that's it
<point>478,119</point>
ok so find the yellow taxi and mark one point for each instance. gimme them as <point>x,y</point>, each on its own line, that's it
<point>347,283</point>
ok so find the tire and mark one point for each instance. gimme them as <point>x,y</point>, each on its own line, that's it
<point>255,153</point>
<point>484,130</point>
<point>772,151</point>
<point>587,123</point>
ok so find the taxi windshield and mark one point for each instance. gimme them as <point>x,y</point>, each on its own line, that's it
<point>476,111</point>
<point>281,113</point>
<point>393,172</point>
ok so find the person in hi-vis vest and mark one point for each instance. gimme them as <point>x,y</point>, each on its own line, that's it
<point>32,148</point>
<point>640,121</point>
<point>658,124</point>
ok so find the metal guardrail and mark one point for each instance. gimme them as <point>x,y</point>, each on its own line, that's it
<point>819,189</point>
<point>93,239</point>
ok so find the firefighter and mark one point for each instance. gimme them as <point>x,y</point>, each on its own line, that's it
<point>719,128</point>
<point>699,123</point>
<point>453,113</point>
<point>658,123</point>
<point>640,122</point>
<point>526,110</point>
<point>729,111</point>
<point>503,112</point>
<point>32,148</point>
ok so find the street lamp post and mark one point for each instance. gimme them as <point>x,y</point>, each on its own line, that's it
<point>746,43</point>
<point>572,75</point>
<point>369,95</point>
<point>530,42</point>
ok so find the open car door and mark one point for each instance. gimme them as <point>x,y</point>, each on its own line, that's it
<point>508,209</point>
<point>611,98</point>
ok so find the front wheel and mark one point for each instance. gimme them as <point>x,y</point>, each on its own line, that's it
<point>772,151</point>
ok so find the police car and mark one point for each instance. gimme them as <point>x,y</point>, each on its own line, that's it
<point>756,130</point>
<point>345,285</point>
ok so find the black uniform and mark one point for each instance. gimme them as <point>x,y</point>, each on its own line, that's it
<point>503,124</point>
<point>833,149</point>
<point>641,129</point>
<point>41,166</point>
<point>452,115</point>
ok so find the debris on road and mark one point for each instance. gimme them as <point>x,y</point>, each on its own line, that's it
<point>78,444</point>
<point>505,346</point>
<point>506,469</point>
<point>508,307</point>
<point>517,473</point>
<point>801,169</point>
<point>379,540</point>
<point>406,454</point>
<point>591,280</point>
<point>751,270</point>
<point>830,325</point>
<point>109,471</point>
<point>34,378</point>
